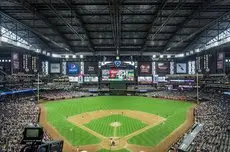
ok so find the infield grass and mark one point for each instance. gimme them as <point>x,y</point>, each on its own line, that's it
<point>173,111</point>
<point>128,125</point>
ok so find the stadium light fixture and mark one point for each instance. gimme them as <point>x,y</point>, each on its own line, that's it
<point>197,50</point>
<point>161,56</point>
<point>74,56</point>
<point>154,56</point>
<point>81,56</point>
<point>179,55</point>
<point>168,56</point>
<point>135,41</point>
<point>38,50</point>
<point>55,55</point>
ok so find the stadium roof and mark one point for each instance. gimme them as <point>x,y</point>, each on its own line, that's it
<point>105,27</point>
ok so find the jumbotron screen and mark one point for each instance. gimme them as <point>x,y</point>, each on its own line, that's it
<point>117,74</point>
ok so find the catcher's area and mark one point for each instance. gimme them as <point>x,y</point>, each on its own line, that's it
<point>116,143</point>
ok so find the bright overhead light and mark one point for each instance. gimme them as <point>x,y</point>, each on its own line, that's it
<point>74,56</point>
<point>179,55</point>
<point>66,56</point>
<point>81,56</point>
<point>197,50</point>
<point>154,56</point>
<point>161,56</point>
<point>152,43</point>
<point>135,41</point>
<point>168,56</point>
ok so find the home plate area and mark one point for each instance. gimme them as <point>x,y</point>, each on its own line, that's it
<point>115,127</point>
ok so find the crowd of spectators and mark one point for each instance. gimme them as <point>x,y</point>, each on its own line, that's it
<point>16,112</point>
<point>63,94</point>
<point>172,93</point>
<point>214,114</point>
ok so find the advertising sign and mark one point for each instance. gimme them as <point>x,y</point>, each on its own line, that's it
<point>73,68</point>
<point>145,68</point>
<point>91,67</point>
<point>55,68</point>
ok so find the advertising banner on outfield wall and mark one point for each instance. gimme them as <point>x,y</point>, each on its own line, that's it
<point>145,68</point>
<point>90,67</point>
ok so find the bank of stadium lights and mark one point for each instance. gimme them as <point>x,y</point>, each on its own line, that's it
<point>38,50</point>
<point>197,50</point>
<point>56,55</point>
<point>227,60</point>
<point>181,55</point>
<point>44,52</point>
<point>5,60</point>
<point>135,41</point>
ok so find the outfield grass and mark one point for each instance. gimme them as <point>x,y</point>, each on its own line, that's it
<point>128,125</point>
<point>174,112</point>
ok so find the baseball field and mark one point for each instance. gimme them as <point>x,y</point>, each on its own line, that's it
<point>116,123</point>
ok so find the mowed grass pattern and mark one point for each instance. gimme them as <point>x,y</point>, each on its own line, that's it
<point>128,125</point>
<point>173,111</point>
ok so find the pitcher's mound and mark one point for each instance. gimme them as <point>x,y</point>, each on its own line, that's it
<point>115,124</point>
